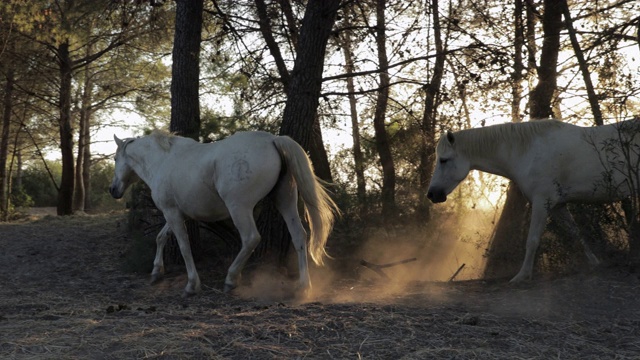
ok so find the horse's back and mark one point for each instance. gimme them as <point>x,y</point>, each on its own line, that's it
<point>246,165</point>
<point>204,180</point>
<point>580,163</point>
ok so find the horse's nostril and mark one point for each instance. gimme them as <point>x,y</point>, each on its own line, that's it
<point>430,195</point>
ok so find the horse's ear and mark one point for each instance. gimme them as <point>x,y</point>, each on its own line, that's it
<point>450,137</point>
<point>118,141</point>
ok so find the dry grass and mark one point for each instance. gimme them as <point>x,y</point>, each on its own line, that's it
<point>63,295</point>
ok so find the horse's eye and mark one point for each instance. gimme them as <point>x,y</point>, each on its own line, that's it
<point>443,161</point>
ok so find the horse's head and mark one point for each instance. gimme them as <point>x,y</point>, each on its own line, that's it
<point>124,174</point>
<point>451,168</point>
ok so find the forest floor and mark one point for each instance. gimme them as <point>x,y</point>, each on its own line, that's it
<point>64,294</point>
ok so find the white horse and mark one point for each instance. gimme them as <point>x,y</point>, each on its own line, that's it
<point>551,162</point>
<point>210,182</point>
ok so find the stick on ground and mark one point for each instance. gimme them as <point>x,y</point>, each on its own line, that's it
<point>377,268</point>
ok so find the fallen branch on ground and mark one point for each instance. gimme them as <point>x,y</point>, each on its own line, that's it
<point>378,268</point>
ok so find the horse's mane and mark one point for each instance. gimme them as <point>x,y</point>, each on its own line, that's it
<point>487,140</point>
<point>163,139</point>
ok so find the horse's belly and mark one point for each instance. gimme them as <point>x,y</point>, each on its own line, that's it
<point>210,209</point>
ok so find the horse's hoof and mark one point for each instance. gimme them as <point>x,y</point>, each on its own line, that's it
<point>156,278</point>
<point>302,293</point>
<point>518,279</point>
<point>228,288</point>
<point>188,294</point>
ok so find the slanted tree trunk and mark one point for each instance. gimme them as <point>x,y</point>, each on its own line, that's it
<point>317,152</point>
<point>506,248</point>
<point>428,124</point>
<point>300,113</point>
<point>584,69</point>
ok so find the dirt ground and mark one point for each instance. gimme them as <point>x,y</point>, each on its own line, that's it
<point>65,295</point>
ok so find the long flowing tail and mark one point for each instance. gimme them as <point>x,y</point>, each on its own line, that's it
<point>320,209</point>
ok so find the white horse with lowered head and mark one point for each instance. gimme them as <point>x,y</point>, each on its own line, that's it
<point>551,162</point>
<point>227,178</point>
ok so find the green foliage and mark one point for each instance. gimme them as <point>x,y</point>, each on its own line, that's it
<point>37,183</point>
<point>19,198</point>
<point>101,176</point>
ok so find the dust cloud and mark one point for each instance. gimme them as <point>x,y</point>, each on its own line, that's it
<point>418,258</point>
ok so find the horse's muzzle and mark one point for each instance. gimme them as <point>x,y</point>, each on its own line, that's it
<point>113,190</point>
<point>437,196</point>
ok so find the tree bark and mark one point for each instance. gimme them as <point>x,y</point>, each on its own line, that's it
<point>358,158</point>
<point>540,102</point>
<point>428,124</point>
<point>506,248</point>
<point>4,143</point>
<point>185,95</point>
<point>518,65</point>
<point>317,152</point>
<point>389,209</point>
<point>584,68</point>
<point>84,157</point>
<point>300,113</point>
<point>65,192</point>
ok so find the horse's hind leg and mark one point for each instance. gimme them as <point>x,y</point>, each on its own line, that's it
<point>287,204</point>
<point>242,217</point>
<point>158,263</point>
<point>567,222</point>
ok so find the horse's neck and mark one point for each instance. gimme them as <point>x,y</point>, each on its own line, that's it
<point>145,160</point>
<point>493,165</point>
<point>496,159</point>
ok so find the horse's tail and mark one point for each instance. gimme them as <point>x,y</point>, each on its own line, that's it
<point>320,209</point>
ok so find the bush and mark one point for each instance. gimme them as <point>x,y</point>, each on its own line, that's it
<point>37,183</point>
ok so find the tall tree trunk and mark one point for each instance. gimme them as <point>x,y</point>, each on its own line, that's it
<point>81,192</point>
<point>532,47</point>
<point>358,158</point>
<point>300,114</point>
<point>540,102</point>
<point>389,209</point>
<point>506,248</point>
<point>65,193</point>
<point>518,65</point>
<point>185,70</point>
<point>185,94</point>
<point>4,143</point>
<point>428,124</point>
<point>86,159</point>
<point>317,152</point>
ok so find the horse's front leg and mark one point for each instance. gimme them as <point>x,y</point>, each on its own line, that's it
<point>177,225</point>
<point>539,215</point>
<point>158,264</point>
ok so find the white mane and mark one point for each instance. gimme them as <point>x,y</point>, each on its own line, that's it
<point>486,140</point>
<point>163,139</point>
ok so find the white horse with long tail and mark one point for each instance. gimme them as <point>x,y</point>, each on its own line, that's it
<point>551,162</point>
<point>227,178</point>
